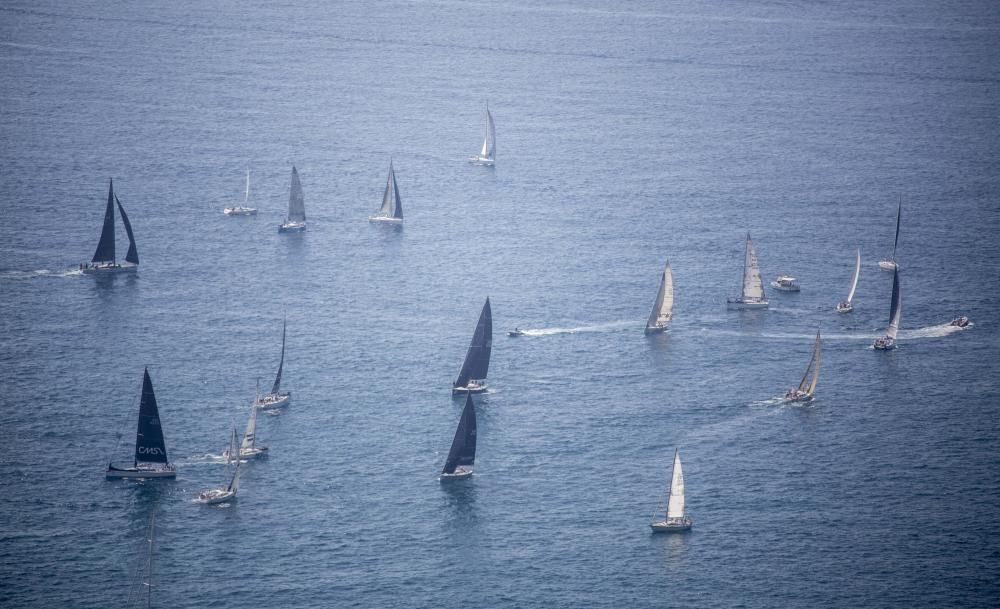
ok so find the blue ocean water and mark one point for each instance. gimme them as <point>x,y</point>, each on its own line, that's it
<point>626,136</point>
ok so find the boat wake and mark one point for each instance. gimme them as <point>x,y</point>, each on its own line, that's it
<point>775,401</point>
<point>21,275</point>
<point>606,327</point>
<point>931,331</point>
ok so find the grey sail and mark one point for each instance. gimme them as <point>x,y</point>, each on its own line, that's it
<point>663,307</point>
<point>463,446</point>
<point>296,200</point>
<point>489,148</point>
<point>895,242</point>
<point>392,206</point>
<point>477,358</point>
<point>133,254</point>
<point>753,287</point>
<point>106,246</point>
<point>895,307</point>
<point>281,364</point>
<point>149,444</point>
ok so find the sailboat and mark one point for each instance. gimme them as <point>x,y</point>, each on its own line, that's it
<point>244,209</point>
<point>889,264</point>
<point>675,519</point>
<point>488,153</point>
<point>296,220</point>
<point>663,308</point>
<point>150,448</point>
<point>392,207</point>
<point>462,455</point>
<point>276,398</point>
<point>472,378</point>
<point>807,386</point>
<point>752,292</point>
<point>887,342</point>
<point>143,580</point>
<point>847,306</point>
<point>248,448</point>
<point>104,260</point>
<point>225,493</point>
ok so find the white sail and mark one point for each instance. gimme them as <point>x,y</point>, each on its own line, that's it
<point>664,306</point>
<point>857,273</point>
<point>753,287</point>
<point>675,504</point>
<point>246,193</point>
<point>490,141</point>
<point>250,435</point>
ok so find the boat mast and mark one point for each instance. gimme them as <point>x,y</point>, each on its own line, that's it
<point>149,563</point>
<point>246,194</point>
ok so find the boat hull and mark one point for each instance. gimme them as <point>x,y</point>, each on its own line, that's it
<point>110,269</point>
<point>385,220</point>
<point>784,288</point>
<point>888,265</point>
<point>884,344</point>
<point>650,330</point>
<point>481,160</point>
<point>671,526</point>
<point>457,475</point>
<point>115,473</point>
<point>799,399</point>
<point>240,211</point>
<point>292,227</point>
<point>738,304</point>
<point>844,307</point>
<point>470,388</point>
<point>215,496</point>
<point>274,400</point>
<point>960,322</point>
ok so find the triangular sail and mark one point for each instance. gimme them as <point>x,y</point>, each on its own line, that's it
<point>105,251</point>
<point>246,193</point>
<point>392,206</point>
<point>133,254</point>
<point>675,503</point>
<point>895,307</point>
<point>149,444</point>
<point>811,376</point>
<point>250,435</point>
<point>664,305</point>
<point>281,364</point>
<point>490,141</point>
<point>857,273</point>
<point>296,200</point>
<point>753,287</point>
<point>477,358</point>
<point>463,446</point>
<point>895,242</point>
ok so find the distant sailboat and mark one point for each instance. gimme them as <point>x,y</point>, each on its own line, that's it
<point>488,153</point>
<point>889,264</point>
<point>807,386</point>
<point>847,306</point>
<point>150,448</point>
<point>104,260</point>
<point>296,220</point>
<point>887,342</point>
<point>663,308</point>
<point>141,591</point>
<point>276,398</point>
<point>675,520</point>
<point>462,455</point>
<point>392,207</point>
<point>244,209</point>
<point>248,447</point>
<point>752,290</point>
<point>472,378</point>
<point>225,493</point>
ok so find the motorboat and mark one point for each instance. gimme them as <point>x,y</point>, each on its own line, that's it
<point>961,321</point>
<point>751,287</point>
<point>676,520</point>
<point>295,222</point>
<point>785,283</point>
<point>515,333</point>
<point>462,454</point>
<point>104,261</point>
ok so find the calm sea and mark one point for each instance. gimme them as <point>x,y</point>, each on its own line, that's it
<point>628,134</point>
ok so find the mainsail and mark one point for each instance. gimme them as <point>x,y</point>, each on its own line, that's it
<point>234,455</point>
<point>477,358</point>
<point>463,446</point>
<point>133,254</point>
<point>811,376</point>
<point>246,193</point>
<point>149,444</point>
<point>106,246</point>
<point>895,307</point>
<point>281,364</point>
<point>392,206</point>
<point>895,242</point>
<point>296,200</point>
<point>857,273</point>
<point>675,503</point>
<point>664,305</point>
<point>753,287</point>
<point>250,435</point>
<point>490,141</point>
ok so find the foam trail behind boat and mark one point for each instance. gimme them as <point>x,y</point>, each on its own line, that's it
<point>606,327</point>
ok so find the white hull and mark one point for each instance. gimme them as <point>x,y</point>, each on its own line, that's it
<point>240,211</point>
<point>273,400</point>
<point>800,398</point>
<point>215,496</point>
<point>784,288</point>
<point>114,473</point>
<point>292,227</point>
<point>655,330</point>
<point>249,453</point>
<point>742,304</point>
<point>845,307</point>
<point>673,525</point>
<point>472,387</point>
<point>888,265</point>
<point>459,474</point>
<point>110,269</point>
<point>385,219</point>
<point>884,344</point>
<point>481,160</point>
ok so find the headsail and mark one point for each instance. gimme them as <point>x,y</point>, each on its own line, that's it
<point>296,200</point>
<point>106,246</point>
<point>250,435</point>
<point>463,446</point>
<point>857,273</point>
<point>753,287</point>
<point>675,504</point>
<point>392,206</point>
<point>149,444</point>
<point>490,141</point>
<point>133,254</point>
<point>664,306</point>
<point>477,358</point>
<point>895,307</point>
<point>811,376</point>
<point>281,364</point>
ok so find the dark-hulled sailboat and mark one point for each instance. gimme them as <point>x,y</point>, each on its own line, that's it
<point>104,260</point>
<point>462,455</point>
<point>150,448</point>
<point>296,220</point>
<point>392,206</point>
<point>276,398</point>
<point>472,378</point>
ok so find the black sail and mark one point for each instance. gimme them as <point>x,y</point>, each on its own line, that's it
<point>149,444</point>
<point>133,254</point>
<point>281,364</point>
<point>463,447</point>
<point>477,358</point>
<point>106,246</point>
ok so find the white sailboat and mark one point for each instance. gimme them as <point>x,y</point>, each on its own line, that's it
<point>244,209</point>
<point>752,289</point>
<point>104,261</point>
<point>248,447</point>
<point>807,386</point>
<point>392,207</point>
<point>462,455</point>
<point>150,448</point>
<point>276,398</point>
<point>675,519</point>
<point>847,306</point>
<point>296,220</point>
<point>663,308</point>
<point>488,153</point>
<point>887,342</point>
<point>890,264</point>
<point>225,493</point>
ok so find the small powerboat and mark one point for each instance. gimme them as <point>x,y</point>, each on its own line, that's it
<point>785,284</point>
<point>239,210</point>
<point>515,333</point>
<point>960,322</point>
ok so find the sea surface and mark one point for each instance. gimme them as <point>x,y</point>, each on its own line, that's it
<point>628,134</point>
